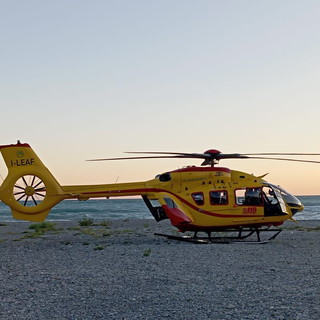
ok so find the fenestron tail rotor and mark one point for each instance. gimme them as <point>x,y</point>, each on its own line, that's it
<point>29,190</point>
<point>212,157</point>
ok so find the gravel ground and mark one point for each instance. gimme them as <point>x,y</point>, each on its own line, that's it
<point>123,271</point>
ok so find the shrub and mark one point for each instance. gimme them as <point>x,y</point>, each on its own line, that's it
<point>147,252</point>
<point>85,221</point>
<point>43,226</point>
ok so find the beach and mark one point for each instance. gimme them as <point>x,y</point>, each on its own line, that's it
<point>120,270</point>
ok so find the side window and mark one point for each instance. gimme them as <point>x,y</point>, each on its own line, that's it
<point>249,196</point>
<point>198,198</point>
<point>170,203</point>
<point>240,196</point>
<point>218,197</point>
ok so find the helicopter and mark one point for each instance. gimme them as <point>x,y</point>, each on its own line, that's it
<point>206,198</point>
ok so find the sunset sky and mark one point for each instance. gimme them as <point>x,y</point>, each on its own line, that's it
<point>92,79</point>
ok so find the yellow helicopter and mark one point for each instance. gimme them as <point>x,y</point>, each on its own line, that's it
<point>199,199</point>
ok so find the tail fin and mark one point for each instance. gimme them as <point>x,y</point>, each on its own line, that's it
<point>29,189</point>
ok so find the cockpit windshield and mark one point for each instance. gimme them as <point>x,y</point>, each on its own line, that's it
<point>293,202</point>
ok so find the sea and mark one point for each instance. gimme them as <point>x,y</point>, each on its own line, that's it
<point>119,209</point>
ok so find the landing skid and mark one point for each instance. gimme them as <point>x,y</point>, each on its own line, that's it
<point>242,235</point>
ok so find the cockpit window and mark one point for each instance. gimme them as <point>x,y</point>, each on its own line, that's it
<point>276,193</point>
<point>218,197</point>
<point>269,195</point>
<point>249,196</point>
<point>198,198</point>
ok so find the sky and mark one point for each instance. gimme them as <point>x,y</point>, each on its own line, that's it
<point>92,79</point>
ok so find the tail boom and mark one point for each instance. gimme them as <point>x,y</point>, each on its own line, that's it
<point>86,192</point>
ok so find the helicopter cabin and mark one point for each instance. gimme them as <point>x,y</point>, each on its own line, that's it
<point>222,189</point>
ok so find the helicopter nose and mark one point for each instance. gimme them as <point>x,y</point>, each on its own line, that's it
<point>300,208</point>
<point>296,206</point>
<point>292,201</point>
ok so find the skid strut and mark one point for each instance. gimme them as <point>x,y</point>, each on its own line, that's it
<point>242,235</point>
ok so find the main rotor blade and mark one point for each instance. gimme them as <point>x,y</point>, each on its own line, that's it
<point>133,158</point>
<point>156,152</point>
<point>281,154</point>
<point>282,159</point>
<point>183,154</point>
<point>227,154</point>
<point>210,157</point>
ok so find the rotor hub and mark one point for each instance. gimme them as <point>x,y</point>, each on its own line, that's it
<point>29,191</point>
<point>212,152</point>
